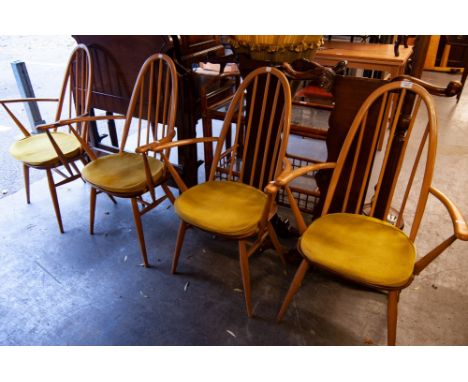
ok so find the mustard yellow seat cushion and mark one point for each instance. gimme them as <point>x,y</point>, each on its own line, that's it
<point>223,207</point>
<point>37,150</point>
<point>122,173</point>
<point>361,248</point>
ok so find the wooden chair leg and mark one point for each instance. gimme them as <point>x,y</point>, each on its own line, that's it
<point>26,183</point>
<point>92,210</point>
<point>244,266</point>
<point>392,316</point>
<point>168,192</point>
<point>141,237</point>
<point>296,283</point>
<point>276,243</point>
<point>180,239</point>
<point>53,194</point>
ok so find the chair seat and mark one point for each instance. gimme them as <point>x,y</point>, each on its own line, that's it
<point>223,207</point>
<point>37,150</point>
<point>122,173</point>
<point>361,248</point>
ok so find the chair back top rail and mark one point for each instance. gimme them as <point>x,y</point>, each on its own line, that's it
<point>152,107</point>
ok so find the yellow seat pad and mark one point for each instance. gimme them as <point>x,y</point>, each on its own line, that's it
<point>37,150</point>
<point>223,207</point>
<point>122,173</point>
<point>361,248</point>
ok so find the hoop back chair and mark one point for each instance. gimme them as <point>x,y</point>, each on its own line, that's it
<point>232,203</point>
<point>58,148</point>
<point>357,243</point>
<point>150,118</point>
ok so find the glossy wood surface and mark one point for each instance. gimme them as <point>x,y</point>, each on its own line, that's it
<point>364,56</point>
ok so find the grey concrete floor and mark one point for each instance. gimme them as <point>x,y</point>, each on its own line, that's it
<point>77,289</point>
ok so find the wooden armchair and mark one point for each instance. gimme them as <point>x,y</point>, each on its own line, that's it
<point>232,203</point>
<point>150,118</point>
<point>359,245</point>
<point>58,150</point>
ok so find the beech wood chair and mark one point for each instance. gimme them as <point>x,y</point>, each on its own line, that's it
<point>55,149</point>
<point>232,203</point>
<point>362,247</point>
<point>150,119</point>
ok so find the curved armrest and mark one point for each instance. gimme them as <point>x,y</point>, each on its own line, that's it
<point>14,100</point>
<point>288,175</point>
<point>150,147</point>
<point>157,147</point>
<point>460,226</point>
<point>15,119</point>
<point>453,88</point>
<point>87,118</point>
<point>80,118</point>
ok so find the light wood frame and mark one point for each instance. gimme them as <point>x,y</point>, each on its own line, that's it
<point>395,90</point>
<point>72,105</point>
<point>154,104</point>
<point>276,93</point>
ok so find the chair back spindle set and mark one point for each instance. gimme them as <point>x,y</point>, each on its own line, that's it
<point>250,167</point>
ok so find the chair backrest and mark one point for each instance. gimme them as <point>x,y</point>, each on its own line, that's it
<point>152,110</point>
<point>407,110</point>
<point>261,112</point>
<point>75,95</point>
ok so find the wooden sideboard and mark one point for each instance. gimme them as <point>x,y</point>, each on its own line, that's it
<point>365,56</point>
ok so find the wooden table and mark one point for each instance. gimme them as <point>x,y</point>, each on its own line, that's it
<point>365,56</point>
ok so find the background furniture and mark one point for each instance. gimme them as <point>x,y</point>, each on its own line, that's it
<point>309,100</point>
<point>117,60</point>
<point>364,56</point>
<point>461,42</point>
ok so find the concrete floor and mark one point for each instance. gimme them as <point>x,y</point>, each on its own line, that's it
<point>77,289</point>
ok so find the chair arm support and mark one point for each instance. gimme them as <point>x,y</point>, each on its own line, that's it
<point>156,147</point>
<point>460,226</point>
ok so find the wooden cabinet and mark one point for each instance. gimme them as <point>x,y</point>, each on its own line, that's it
<point>447,53</point>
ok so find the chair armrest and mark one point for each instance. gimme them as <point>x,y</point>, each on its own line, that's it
<point>15,119</point>
<point>81,118</point>
<point>143,149</point>
<point>460,226</point>
<point>15,100</point>
<point>158,147</point>
<point>161,146</point>
<point>287,177</point>
<point>452,89</point>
